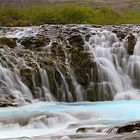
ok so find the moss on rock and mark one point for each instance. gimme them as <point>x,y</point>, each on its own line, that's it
<point>8,42</point>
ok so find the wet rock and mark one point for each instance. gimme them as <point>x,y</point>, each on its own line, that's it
<point>84,129</point>
<point>8,42</point>
<point>27,77</point>
<point>35,43</point>
<point>76,40</point>
<point>82,64</point>
<point>4,103</point>
<point>99,92</point>
<point>120,34</point>
<point>129,128</point>
<point>57,51</point>
<point>91,129</point>
<point>87,36</point>
<point>131,44</point>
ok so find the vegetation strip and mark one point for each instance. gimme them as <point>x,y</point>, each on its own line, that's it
<point>66,14</point>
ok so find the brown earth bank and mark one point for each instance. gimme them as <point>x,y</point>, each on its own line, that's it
<point>119,4</point>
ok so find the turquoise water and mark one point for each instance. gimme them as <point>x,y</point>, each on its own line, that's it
<point>119,110</point>
<point>65,114</point>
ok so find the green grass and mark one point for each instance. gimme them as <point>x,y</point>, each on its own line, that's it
<point>66,14</point>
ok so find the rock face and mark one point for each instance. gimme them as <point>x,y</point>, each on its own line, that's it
<point>56,61</point>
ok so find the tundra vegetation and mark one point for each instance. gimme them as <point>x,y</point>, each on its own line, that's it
<point>68,13</point>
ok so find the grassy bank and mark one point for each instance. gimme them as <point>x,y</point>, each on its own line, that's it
<point>66,14</point>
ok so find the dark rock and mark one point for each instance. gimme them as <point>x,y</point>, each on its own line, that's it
<point>82,63</point>
<point>27,76</point>
<point>86,129</point>
<point>35,43</point>
<point>57,51</point>
<point>77,41</point>
<point>83,130</point>
<point>5,103</point>
<point>131,44</point>
<point>128,128</point>
<point>8,41</point>
<point>87,36</point>
<point>120,34</point>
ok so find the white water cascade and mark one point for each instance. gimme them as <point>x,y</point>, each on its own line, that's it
<point>118,73</point>
<point>12,86</point>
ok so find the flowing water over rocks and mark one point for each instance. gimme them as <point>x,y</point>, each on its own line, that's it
<point>67,63</point>
<point>70,62</point>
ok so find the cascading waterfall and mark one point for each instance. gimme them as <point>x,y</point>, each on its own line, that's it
<point>111,58</point>
<point>117,72</point>
<point>12,86</point>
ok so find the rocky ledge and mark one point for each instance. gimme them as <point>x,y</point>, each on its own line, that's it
<point>61,53</point>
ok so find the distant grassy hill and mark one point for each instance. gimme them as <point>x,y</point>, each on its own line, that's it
<point>36,12</point>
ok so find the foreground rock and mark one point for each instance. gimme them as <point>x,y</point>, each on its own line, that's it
<point>129,128</point>
<point>8,103</point>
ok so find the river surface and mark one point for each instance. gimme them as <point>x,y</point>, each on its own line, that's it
<point>63,119</point>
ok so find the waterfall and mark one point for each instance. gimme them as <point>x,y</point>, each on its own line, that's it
<point>12,87</point>
<point>69,63</point>
<point>110,55</point>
